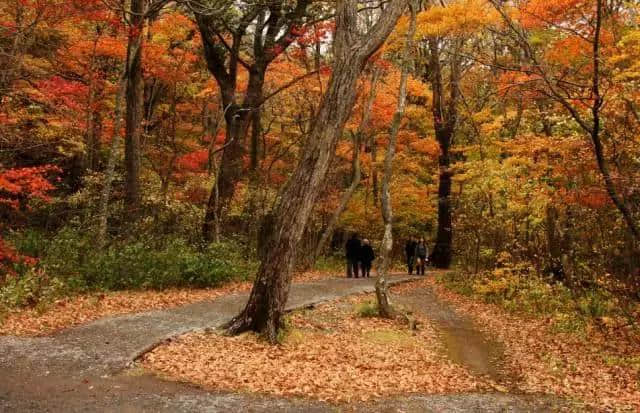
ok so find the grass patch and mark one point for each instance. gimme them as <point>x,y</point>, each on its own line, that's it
<point>389,337</point>
<point>367,309</point>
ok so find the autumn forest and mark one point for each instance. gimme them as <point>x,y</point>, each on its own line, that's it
<point>216,156</point>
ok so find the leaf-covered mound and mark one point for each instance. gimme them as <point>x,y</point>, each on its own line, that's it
<point>329,353</point>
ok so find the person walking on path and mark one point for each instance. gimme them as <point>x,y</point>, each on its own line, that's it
<point>422,252</point>
<point>410,251</point>
<point>352,254</point>
<point>366,258</point>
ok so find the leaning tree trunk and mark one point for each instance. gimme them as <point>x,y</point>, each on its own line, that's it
<point>135,103</point>
<point>266,305</point>
<point>385,308</point>
<point>356,169</point>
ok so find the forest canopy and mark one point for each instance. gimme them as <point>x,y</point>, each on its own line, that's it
<point>220,134</point>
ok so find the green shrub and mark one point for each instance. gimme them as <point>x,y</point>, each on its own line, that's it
<point>30,289</point>
<point>518,288</point>
<point>331,263</point>
<point>70,262</point>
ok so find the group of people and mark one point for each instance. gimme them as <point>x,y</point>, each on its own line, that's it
<point>417,254</point>
<point>360,256</point>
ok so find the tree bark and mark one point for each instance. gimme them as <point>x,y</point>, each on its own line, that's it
<point>273,33</point>
<point>135,103</point>
<point>264,310</point>
<point>103,211</point>
<point>385,307</point>
<point>598,102</point>
<point>356,169</point>
<point>445,118</point>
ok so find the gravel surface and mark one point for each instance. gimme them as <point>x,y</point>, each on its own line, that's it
<point>86,368</point>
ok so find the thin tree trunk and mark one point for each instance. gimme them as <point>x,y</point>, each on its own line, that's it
<point>598,101</point>
<point>593,129</point>
<point>135,104</point>
<point>356,169</point>
<point>103,210</point>
<point>270,291</point>
<point>385,307</point>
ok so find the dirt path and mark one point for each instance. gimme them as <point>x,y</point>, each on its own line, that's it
<point>464,342</point>
<point>85,368</point>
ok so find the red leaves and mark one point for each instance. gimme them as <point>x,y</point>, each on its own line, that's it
<point>17,186</point>
<point>20,183</point>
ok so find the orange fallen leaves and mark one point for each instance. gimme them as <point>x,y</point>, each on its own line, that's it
<point>597,369</point>
<point>330,355</point>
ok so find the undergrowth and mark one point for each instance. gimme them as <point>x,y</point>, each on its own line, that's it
<point>519,289</point>
<point>69,263</point>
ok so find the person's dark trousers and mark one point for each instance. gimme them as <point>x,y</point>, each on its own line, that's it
<point>420,266</point>
<point>366,269</point>
<point>410,261</point>
<point>352,268</point>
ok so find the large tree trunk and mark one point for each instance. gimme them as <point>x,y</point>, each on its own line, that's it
<point>442,251</point>
<point>135,103</point>
<point>270,291</point>
<point>229,170</point>
<point>356,169</point>
<point>385,308</point>
<point>238,119</point>
<point>445,117</point>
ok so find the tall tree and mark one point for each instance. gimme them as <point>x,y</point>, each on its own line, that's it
<point>356,171</point>
<point>134,101</point>
<point>382,292</point>
<point>273,26</point>
<point>572,93</point>
<point>445,118</point>
<point>351,50</point>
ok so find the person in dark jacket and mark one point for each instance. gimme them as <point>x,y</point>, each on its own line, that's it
<point>352,254</point>
<point>410,251</point>
<point>422,252</point>
<point>366,258</point>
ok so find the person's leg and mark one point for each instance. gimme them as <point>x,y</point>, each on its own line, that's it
<point>367,270</point>
<point>356,269</point>
<point>410,264</point>
<point>349,268</point>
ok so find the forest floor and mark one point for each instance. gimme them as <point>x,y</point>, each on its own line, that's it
<point>90,367</point>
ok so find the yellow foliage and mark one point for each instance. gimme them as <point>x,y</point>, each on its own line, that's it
<point>458,18</point>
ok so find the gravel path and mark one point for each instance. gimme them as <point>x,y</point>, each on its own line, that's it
<point>85,368</point>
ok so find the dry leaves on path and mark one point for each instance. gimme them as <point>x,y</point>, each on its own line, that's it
<point>73,311</point>
<point>330,354</point>
<point>603,371</point>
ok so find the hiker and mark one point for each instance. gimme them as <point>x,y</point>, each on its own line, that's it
<point>410,251</point>
<point>366,258</point>
<point>422,252</point>
<point>352,254</point>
